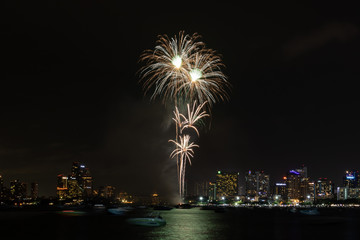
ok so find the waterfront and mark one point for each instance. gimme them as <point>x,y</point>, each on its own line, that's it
<point>234,223</point>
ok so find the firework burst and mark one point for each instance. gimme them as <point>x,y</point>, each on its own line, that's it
<point>166,66</point>
<point>184,149</point>
<point>182,70</point>
<point>194,115</point>
<point>206,82</point>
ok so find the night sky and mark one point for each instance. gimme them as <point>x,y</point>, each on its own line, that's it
<point>70,91</point>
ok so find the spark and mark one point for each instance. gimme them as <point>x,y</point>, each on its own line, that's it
<point>166,66</point>
<point>194,115</point>
<point>208,83</point>
<point>185,151</point>
<point>176,61</point>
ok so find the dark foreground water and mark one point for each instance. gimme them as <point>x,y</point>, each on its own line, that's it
<point>192,223</point>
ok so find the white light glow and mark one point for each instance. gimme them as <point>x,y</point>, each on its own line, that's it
<point>195,74</point>
<point>176,61</point>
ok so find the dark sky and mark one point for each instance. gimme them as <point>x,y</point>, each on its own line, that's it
<point>70,92</point>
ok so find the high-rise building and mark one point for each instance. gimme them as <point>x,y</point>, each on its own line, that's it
<point>212,191</point>
<point>293,183</point>
<point>107,192</point>
<point>227,184</point>
<point>311,191</point>
<point>305,192</point>
<point>302,171</point>
<point>324,188</point>
<point>201,189</point>
<point>62,187</point>
<point>257,184</point>
<point>78,185</point>
<point>86,181</point>
<point>18,190</point>
<point>2,189</point>
<point>250,184</point>
<point>74,190</point>
<point>83,177</point>
<point>351,179</point>
<point>280,192</point>
<point>34,190</point>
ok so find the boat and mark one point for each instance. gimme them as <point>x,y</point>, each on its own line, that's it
<point>71,213</point>
<point>219,209</point>
<point>311,211</point>
<point>118,211</point>
<point>152,220</point>
<point>184,206</point>
<point>160,207</point>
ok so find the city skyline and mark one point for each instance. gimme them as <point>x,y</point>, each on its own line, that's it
<point>348,176</point>
<point>72,93</point>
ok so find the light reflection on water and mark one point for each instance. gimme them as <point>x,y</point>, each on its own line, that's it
<point>189,224</point>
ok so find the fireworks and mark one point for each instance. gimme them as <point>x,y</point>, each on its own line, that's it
<point>166,66</point>
<point>182,70</point>
<point>193,117</point>
<point>185,151</point>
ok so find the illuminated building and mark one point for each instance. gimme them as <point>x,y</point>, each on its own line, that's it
<point>78,185</point>
<point>257,184</point>
<point>1,182</point>
<point>124,197</point>
<point>311,191</point>
<point>250,184</point>
<point>62,187</point>
<point>344,193</point>
<point>3,194</point>
<point>34,190</point>
<point>226,184</point>
<point>107,192</point>
<point>293,182</point>
<point>212,191</point>
<point>201,189</point>
<point>74,190</point>
<point>351,179</point>
<point>17,190</point>
<point>302,171</point>
<point>305,192</point>
<point>324,188</point>
<point>280,191</point>
<point>155,199</point>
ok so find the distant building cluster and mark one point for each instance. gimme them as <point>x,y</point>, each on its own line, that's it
<point>293,188</point>
<point>17,192</point>
<point>78,187</point>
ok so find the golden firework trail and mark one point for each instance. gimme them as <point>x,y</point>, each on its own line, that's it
<point>193,116</point>
<point>185,151</point>
<point>166,66</point>
<point>182,69</point>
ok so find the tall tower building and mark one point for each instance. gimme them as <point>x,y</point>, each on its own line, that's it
<point>74,190</point>
<point>34,190</point>
<point>227,184</point>
<point>2,189</point>
<point>324,188</point>
<point>18,190</point>
<point>351,179</point>
<point>250,184</point>
<point>212,191</point>
<point>86,182</point>
<point>257,184</point>
<point>293,183</point>
<point>62,187</point>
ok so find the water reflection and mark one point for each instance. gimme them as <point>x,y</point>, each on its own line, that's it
<point>190,224</point>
